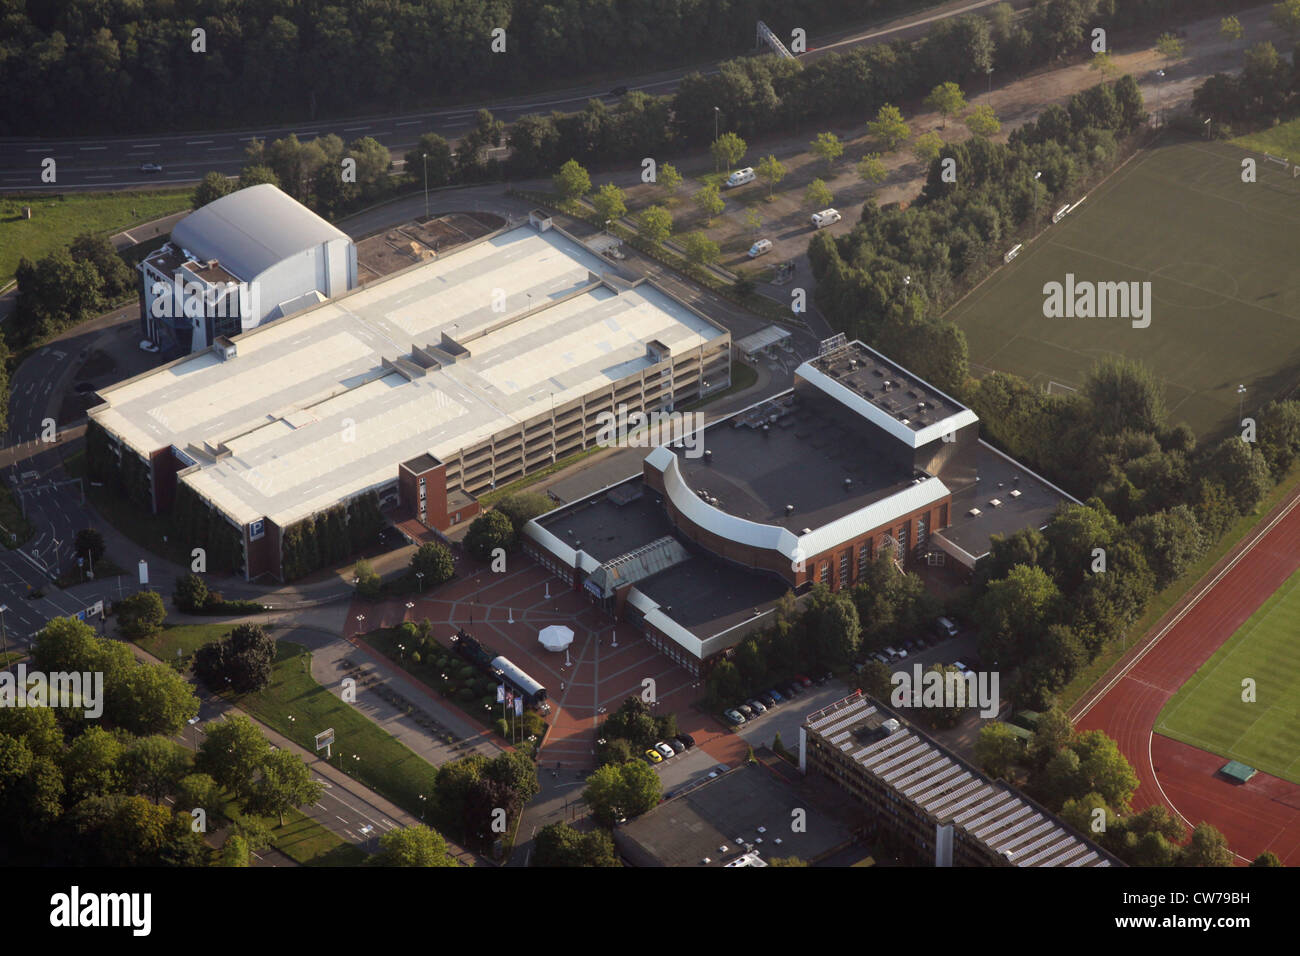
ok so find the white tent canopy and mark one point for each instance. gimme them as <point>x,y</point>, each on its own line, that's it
<point>556,637</point>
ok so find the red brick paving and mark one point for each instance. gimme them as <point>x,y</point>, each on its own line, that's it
<point>1263,814</point>
<point>599,675</point>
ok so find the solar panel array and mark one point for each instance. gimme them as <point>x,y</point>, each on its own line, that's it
<point>950,791</point>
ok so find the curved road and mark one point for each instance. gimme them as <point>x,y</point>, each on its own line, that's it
<point>114,162</point>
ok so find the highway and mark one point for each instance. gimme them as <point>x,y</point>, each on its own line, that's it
<point>114,162</point>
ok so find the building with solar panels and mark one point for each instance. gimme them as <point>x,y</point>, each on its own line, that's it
<point>930,803</point>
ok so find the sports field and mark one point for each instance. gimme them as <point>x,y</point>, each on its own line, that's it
<point>1208,711</point>
<point>1225,290</point>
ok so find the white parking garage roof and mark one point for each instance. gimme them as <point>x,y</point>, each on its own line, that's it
<point>310,413</point>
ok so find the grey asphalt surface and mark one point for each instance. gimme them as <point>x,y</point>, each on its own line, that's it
<point>105,162</point>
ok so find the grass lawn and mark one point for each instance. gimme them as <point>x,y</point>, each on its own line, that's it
<point>305,841</point>
<point>1171,595</point>
<point>385,765</point>
<point>187,638</point>
<point>1282,140</point>
<point>492,497</point>
<point>1224,303</point>
<point>1208,711</point>
<point>58,219</point>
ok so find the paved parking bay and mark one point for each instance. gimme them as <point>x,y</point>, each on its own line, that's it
<point>786,718</point>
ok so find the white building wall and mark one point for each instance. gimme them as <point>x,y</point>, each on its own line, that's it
<point>289,279</point>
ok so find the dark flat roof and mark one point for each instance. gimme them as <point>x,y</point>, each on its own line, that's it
<point>999,477</point>
<point>685,830</point>
<point>706,594</point>
<point>802,459</point>
<point>866,372</point>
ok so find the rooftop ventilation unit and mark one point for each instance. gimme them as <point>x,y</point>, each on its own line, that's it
<point>1015,492</point>
<point>789,509</point>
<point>995,502</point>
<point>974,512</point>
<point>848,482</point>
<point>708,457</point>
<point>806,531</point>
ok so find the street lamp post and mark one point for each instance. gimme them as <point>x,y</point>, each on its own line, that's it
<point>419,579</point>
<point>1241,402</point>
<point>715,136</point>
<point>1037,176</point>
<point>988,72</point>
<point>425,158</point>
<point>4,633</point>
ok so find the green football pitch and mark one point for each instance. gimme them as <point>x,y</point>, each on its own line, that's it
<point>1221,258</point>
<point>1208,711</point>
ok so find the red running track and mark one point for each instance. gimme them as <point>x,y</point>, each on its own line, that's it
<point>1263,814</point>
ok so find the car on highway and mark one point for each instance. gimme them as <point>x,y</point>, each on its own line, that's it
<point>664,750</point>
<point>686,740</point>
<point>734,716</point>
<point>654,756</point>
<point>762,247</point>
<point>150,168</point>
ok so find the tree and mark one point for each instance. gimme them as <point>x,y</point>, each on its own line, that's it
<point>1171,540</point>
<point>656,224</point>
<point>234,852</point>
<point>211,187</point>
<point>610,202</point>
<point>241,662</point>
<point>232,753</point>
<point>1267,858</point>
<point>833,623</point>
<point>431,155</point>
<point>1230,28</point>
<point>1169,46</point>
<point>727,150</point>
<point>771,170</point>
<point>434,561</point>
<point>827,146</point>
<point>140,615</point>
<point>753,220</point>
<point>818,194</point>
<point>871,169</point>
<point>572,181</point>
<point>669,178</point>
<point>412,846</point>
<point>1103,768</point>
<point>709,201</point>
<point>700,249</point>
<point>1286,17</point>
<point>1243,472</point>
<point>927,147</point>
<point>889,127</point>
<point>1207,847</point>
<point>1122,394</point>
<point>196,791</point>
<point>154,766</point>
<point>619,790</point>
<point>1014,611</point>
<point>875,679</point>
<point>558,844</point>
<point>191,594</point>
<point>256,175</point>
<point>90,765</point>
<point>982,121</point>
<point>997,749</point>
<point>369,583</point>
<point>285,783</point>
<point>787,861</point>
<point>946,99</point>
<point>488,532</point>
<point>1103,63</point>
<point>89,543</point>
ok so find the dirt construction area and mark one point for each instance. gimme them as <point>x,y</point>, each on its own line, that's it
<point>401,246</point>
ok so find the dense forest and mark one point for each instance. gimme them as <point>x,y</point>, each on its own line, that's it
<point>124,65</point>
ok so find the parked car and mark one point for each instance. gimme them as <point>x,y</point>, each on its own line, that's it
<point>824,678</point>
<point>776,695</point>
<point>960,666</point>
<point>734,716</point>
<point>756,706</point>
<point>768,700</point>
<point>790,690</point>
<point>687,740</point>
<point>677,745</point>
<point>945,627</point>
<point>664,750</point>
<point>803,680</point>
<point>880,656</point>
<point>746,711</point>
<point>761,247</point>
<point>654,756</point>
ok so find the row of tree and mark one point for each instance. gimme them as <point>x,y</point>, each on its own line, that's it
<point>500,527</point>
<point>1267,89</point>
<point>67,287</point>
<point>325,539</point>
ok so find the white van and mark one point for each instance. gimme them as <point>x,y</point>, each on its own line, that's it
<point>759,248</point>
<point>825,217</point>
<point>740,177</point>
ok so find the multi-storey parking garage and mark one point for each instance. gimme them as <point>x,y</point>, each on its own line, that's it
<point>426,388</point>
